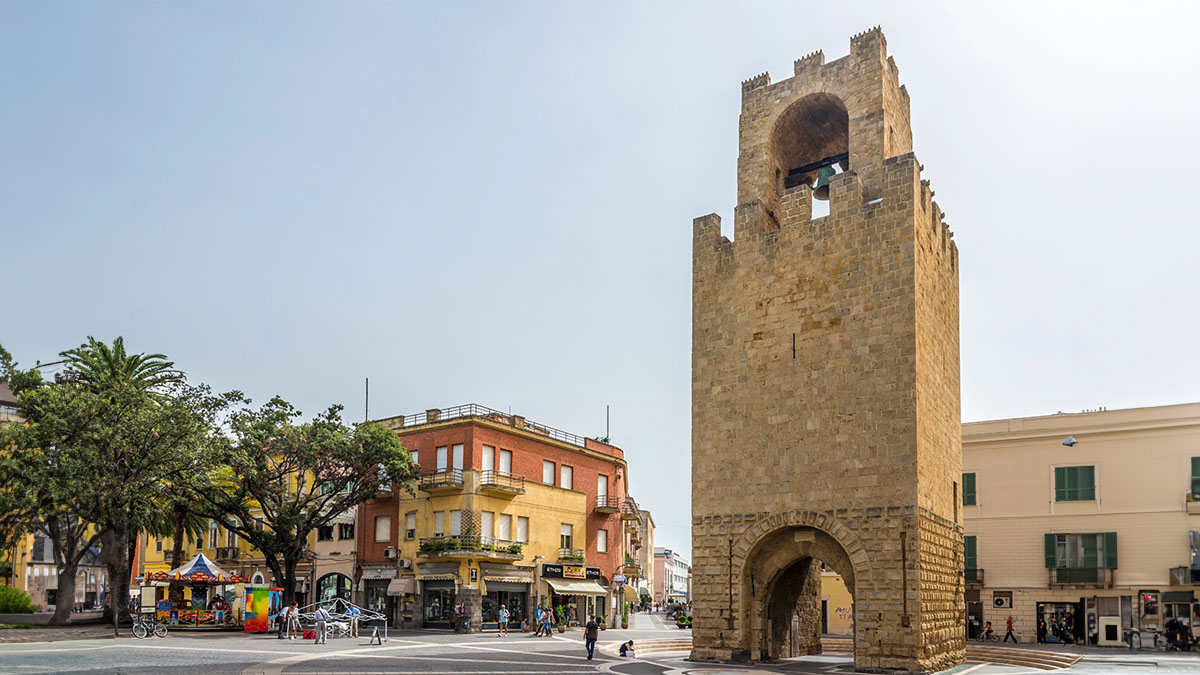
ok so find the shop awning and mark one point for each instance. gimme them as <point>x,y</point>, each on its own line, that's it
<point>513,580</point>
<point>631,595</point>
<point>401,586</point>
<point>575,587</point>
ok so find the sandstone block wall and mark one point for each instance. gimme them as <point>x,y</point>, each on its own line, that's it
<point>825,403</point>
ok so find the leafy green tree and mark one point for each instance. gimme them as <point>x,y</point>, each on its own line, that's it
<point>40,477</point>
<point>15,601</point>
<point>104,446</point>
<point>296,478</point>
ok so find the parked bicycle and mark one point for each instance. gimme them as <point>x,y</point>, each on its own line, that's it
<point>148,624</point>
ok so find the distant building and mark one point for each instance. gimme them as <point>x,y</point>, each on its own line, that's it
<point>1087,521</point>
<point>672,576</point>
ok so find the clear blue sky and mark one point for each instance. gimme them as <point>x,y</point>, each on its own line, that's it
<point>492,202</point>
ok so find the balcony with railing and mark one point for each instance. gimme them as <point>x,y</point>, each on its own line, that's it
<point>572,555</point>
<point>1081,577</point>
<point>629,510</point>
<point>458,546</point>
<point>442,480</point>
<point>632,570</point>
<point>608,504</point>
<point>1184,576</point>
<point>501,483</point>
<point>973,576</point>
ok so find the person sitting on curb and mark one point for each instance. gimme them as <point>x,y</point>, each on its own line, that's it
<point>627,649</point>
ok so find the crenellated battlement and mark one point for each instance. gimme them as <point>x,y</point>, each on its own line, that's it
<point>757,82</point>
<point>809,62</point>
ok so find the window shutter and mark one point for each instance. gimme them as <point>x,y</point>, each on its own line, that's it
<point>1051,549</point>
<point>1060,487</point>
<point>968,489</point>
<point>969,558</point>
<point>1088,479</point>
<point>1110,550</point>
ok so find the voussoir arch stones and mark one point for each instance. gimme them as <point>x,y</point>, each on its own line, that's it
<point>823,521</point>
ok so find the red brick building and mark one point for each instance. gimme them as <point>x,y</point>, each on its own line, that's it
<point>507,512</point>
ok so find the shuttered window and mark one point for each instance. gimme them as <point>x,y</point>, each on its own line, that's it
<point>1081,551</point>
<point>970,561</point>
<point>968,489</point>
<point>1074,483</point>
<point>1196,475</point>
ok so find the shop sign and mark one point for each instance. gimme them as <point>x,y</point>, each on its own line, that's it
<point>618,579</point>
<point>550,571</point>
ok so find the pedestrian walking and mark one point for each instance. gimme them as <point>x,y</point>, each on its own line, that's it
<point>537,621</point>
<point>503,629</point>
<point>591,632</point>
<point>1041,631</point>
<point>321,616</point>
<point>1009,632</point>
<point>549,617</point>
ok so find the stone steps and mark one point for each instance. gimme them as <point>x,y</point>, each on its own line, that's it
<point>1012,656</point>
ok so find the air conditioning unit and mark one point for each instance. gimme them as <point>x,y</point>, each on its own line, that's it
<point>406,563</point>
<point>391,553</point>
<point>1000,602</point>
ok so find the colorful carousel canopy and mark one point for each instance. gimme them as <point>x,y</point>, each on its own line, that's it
<point>200,570</point>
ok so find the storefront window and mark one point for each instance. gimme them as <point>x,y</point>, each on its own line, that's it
<point>333,586</point>
<point>513,601</point>
<point>438,603</point>
<point>377,594</point>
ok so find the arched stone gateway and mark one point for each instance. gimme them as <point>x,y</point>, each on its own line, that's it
<point>825,402</point>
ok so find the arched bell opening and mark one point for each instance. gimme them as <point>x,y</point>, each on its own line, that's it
<point>809,144</point>
<point>783,582</point>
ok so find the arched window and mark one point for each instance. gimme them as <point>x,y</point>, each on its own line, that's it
<point>333,586</point>
<point>257,579</point>
<point>813,132</point>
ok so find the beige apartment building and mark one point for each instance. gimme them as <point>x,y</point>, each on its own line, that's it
<point>1090,519</point>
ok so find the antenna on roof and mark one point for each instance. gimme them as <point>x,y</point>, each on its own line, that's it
<point>367,399</point>
<point>607,434</point>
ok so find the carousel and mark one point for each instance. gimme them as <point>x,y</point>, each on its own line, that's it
<point>212,597</point>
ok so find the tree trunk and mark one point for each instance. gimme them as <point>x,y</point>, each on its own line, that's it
<point>176,593</point>
<point>119,545</point>
<point>66,559</point>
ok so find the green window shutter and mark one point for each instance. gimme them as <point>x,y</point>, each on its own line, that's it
<point>1110,550</point>
<point>969,558</point>
<point>1091,544</point>
<point>1087,483</point>
<point>1060,484</point>
<point>1051,550</point>
<point>968,489</point>
<point>1196,474</point>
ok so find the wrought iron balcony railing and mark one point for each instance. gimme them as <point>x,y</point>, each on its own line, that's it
<point>973,576</point>
<point>1097,577</point>
<point>442,478</point>
<point>572,555</point>
<point>502,481</point>
<point>468,543</point>
<point>608,504</point>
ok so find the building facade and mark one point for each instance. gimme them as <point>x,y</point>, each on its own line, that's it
<point>672,576</point>
<point>1092,519</point>
<point>506,512</point>
<point>643,546</point>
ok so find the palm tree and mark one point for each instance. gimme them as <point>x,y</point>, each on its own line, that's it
<point>108,371</point>
<point>101,367</point>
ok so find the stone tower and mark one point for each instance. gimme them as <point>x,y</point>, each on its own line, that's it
<point>825,380</point>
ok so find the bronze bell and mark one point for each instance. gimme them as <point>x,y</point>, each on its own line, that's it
<point>821,191</point>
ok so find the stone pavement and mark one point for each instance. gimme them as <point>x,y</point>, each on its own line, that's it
<point>432,652</point>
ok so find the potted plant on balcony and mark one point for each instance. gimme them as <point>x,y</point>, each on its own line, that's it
<point>514,548</point>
